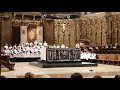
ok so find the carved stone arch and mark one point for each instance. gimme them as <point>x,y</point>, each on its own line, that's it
<point>92,21</point>
<point>118,21</point>
<point>98,20</point>
<point>95,19</point>
<point>88,21</point>
<point>83,22</point>
<point>118,18</point>
<point>113,17</point>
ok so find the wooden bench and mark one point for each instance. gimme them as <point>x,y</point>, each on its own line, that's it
<point>118,59</point>
<point>112,58</point>
<point>109,58</point>
<point>102,58</point>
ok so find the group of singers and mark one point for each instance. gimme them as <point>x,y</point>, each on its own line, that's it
<point>25,49</point>
<point>34,49</point>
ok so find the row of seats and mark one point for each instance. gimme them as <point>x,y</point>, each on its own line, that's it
<point>108,59</point>
<point>107,51</point>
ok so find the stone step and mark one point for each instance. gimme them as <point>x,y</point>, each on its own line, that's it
<point>4,70</point>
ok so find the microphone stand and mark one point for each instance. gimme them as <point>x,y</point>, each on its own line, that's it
<point>91,66</point>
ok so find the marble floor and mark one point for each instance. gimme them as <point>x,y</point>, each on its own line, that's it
<point>106,71</point>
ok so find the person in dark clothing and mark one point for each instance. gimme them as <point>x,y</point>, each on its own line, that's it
<point>76,75</point>
<point>117,76</point>
<point>97,76</point>
<point>2,77</point>
<point>29,75</point>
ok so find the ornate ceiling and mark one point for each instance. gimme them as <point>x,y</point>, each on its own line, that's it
<point>51,15</point>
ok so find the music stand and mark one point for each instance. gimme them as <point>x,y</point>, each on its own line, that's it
<point>91,65</point>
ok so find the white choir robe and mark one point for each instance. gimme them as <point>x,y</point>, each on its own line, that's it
<point>93,56</point>
<point>58,46</point>
<point>12,52</point>
<point>40,44</point>
<point>89,55</point>
<point>81,55</point>
<point>6,47</point>
<point>77,45</point>
<point>24,49</point>
<point>38,47</point>
<point>115,47</point>
<point>7,51</point>
<point>35,43</point>
<point>32,51</point>
<point>15,53</point>
<point>86,56</point>
<point>31,44</point>
<point>43,53</point>
<point>36,52</point>
<point>62,46</point>
<point>54,46</point>
<point>28,54</point>
<point>26,43</point>
<point>10,47</point>
<point>19,50</point>
<point>45,44</point>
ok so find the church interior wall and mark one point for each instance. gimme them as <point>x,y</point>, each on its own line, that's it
<point>99,28</point>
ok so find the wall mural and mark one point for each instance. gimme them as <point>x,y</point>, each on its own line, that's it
<point>30,33</point>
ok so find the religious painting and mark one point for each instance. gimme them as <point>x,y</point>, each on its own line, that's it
<point>31,32</point>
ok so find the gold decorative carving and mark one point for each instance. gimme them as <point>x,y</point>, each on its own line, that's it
<point>65,32</point>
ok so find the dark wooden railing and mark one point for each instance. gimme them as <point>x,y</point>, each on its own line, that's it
<point>5,62</point>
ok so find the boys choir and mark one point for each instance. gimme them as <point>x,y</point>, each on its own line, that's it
<point>34,50</point>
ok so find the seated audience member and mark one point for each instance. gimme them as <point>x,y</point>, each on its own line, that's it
<point>2,77</point>
<point>45,76</point>
<point>117,76</point>
<point>29,75</point>
<point>76,75</point>
<point>97,76</point>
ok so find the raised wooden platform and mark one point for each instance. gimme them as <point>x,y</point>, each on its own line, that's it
<point>24,59</point>
<point>62,64</point>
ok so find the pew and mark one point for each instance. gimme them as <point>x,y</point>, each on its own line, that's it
<point>102,58</point>
<point>112,58</point>
<point>118,59</point>
<point>109,58</point>
<point>5,62</point>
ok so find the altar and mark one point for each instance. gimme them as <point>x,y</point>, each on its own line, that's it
<point>62,57</point>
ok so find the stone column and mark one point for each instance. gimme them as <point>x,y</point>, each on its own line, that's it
<point>108,31</point>
<point>82,14</point>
